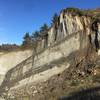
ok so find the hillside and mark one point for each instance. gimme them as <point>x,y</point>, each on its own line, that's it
<point>79,81</point>
<point>9,60</point>
<point>65,64</point>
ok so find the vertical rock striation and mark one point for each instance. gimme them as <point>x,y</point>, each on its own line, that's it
<point>74,31</point>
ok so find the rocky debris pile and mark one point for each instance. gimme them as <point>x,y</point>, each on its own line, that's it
<point>84,73</point>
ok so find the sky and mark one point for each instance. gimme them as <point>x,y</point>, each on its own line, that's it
<point>20,16</point>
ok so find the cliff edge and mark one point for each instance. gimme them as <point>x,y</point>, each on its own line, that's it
<point>66,60</point>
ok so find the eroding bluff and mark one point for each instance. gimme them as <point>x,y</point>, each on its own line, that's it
<point>70,43</point>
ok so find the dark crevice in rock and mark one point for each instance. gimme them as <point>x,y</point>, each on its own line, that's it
<point>96,41</point>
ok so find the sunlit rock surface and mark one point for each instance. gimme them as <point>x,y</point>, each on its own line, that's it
<point>11,59</point>
<point>55,53</point>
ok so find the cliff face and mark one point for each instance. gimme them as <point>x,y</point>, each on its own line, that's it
<point>69,23</point>
<point>57,51</point>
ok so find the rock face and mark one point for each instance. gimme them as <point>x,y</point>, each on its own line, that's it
<point>68,25</point>
<point>70,34</point>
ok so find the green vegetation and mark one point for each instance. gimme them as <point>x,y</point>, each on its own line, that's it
<point>29,40</point>
<point>27,43</point>
<point>44,30</point>
<point>8,47</point>
<point>74,11</point>
<point>35,35</point>
<point>55,18</point>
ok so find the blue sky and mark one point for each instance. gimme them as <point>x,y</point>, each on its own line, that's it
<point>20,16</point>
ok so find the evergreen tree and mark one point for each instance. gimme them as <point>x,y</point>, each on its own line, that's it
<point>35,35</point>
<point>44,29</point>
<point>55,19</point>
<point>27,42</point>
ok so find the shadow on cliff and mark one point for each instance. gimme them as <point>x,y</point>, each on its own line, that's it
<point>88,94</point>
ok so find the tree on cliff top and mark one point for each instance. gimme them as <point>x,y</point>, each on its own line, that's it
<point>55,19</point>
<point>44,30</point>
<point>27,42</point>
<point>35,35</point>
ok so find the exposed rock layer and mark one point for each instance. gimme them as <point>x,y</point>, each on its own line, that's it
<point>11,59</point>
<point>71,34</point>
